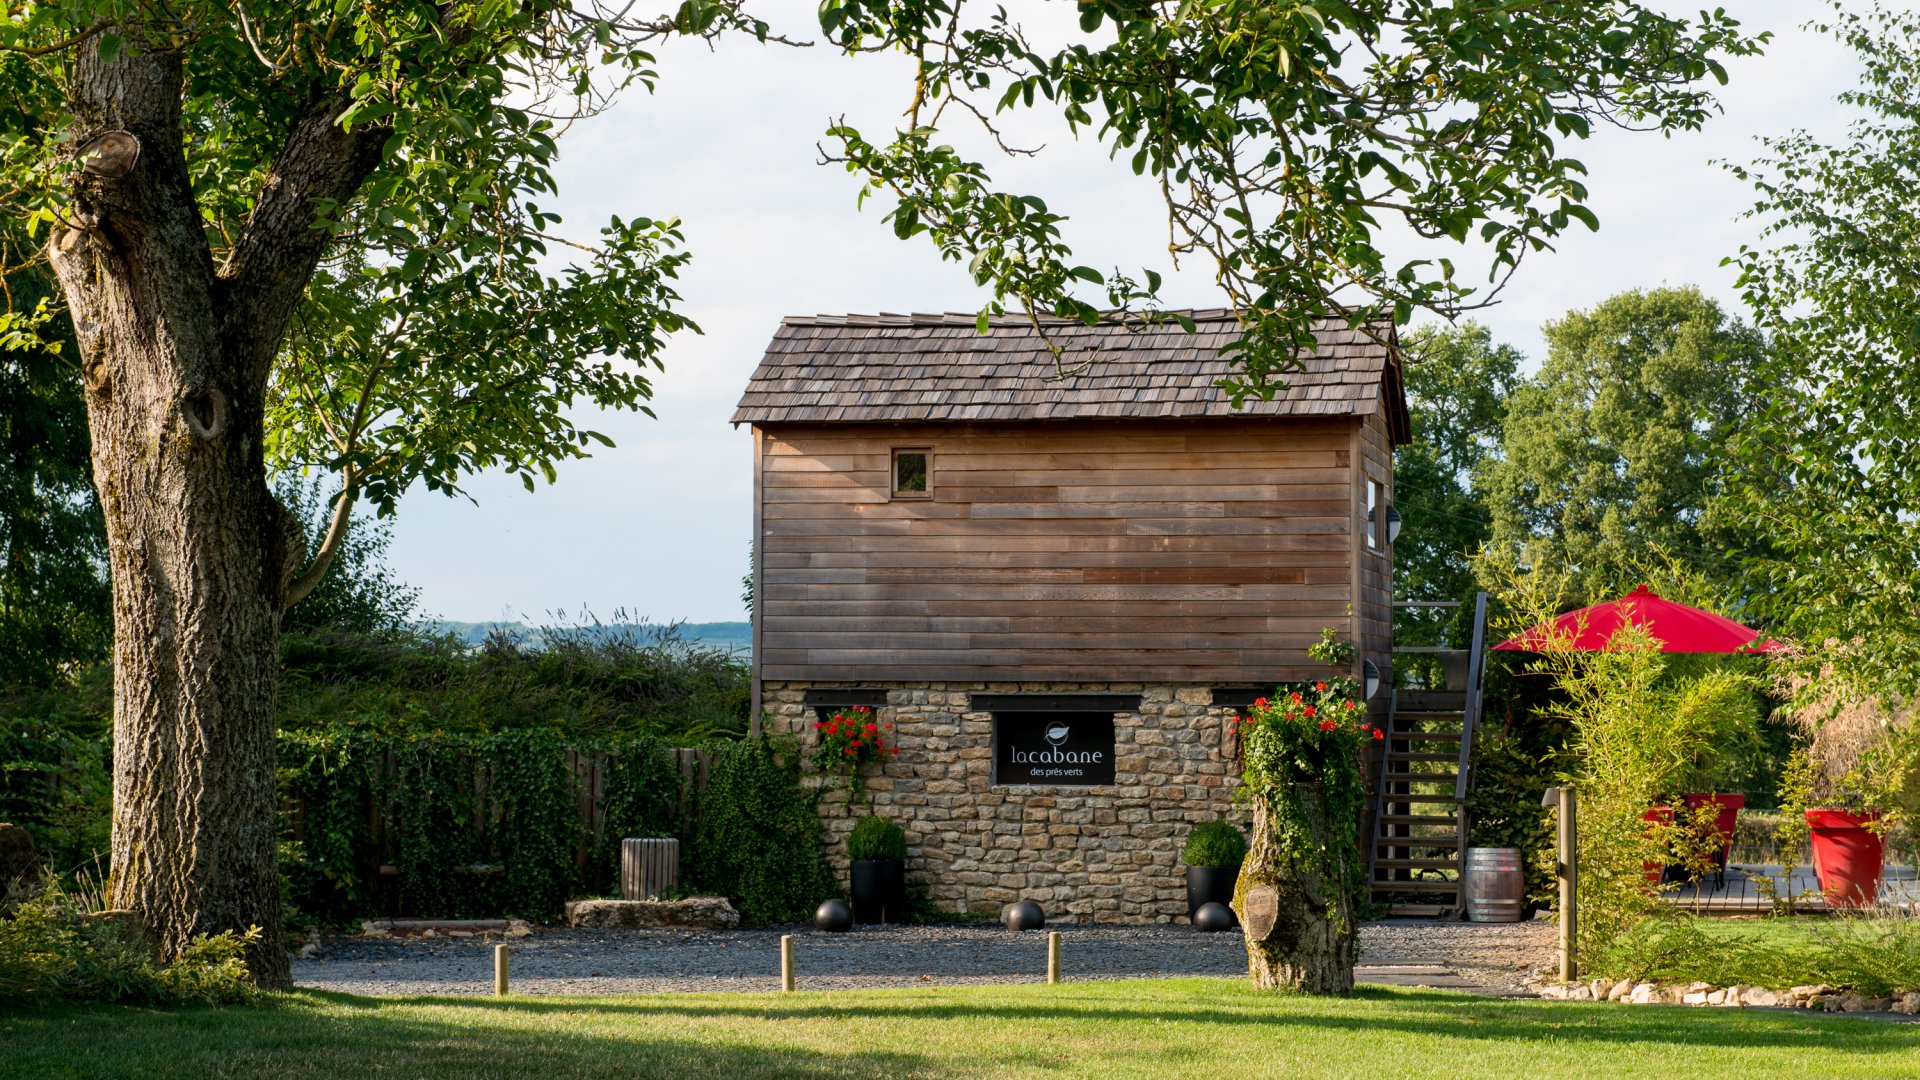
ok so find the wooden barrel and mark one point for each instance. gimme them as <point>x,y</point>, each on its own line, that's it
<point>648,868</point>
<point>1495,885</point>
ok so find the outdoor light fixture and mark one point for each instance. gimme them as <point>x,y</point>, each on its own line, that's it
<point>1393,523</point>
<point>1373,678</point>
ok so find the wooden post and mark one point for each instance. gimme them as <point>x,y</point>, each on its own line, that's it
<point>1567,868</point>
<point>786,963</point>
<point>1053,956</point>
<point>499,971</point>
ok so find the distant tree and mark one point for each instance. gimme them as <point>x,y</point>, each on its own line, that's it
<point>1616,449</point>
<point>1458,382</point>
<point>1831,464</point>
<point>54,607</point>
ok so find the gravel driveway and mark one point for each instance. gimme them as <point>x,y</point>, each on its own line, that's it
<point>635,961</point>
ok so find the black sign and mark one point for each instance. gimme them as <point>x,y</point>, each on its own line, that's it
<point>1052,748</point>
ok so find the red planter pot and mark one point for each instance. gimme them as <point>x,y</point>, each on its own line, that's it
<point>1847,856</point>
<point>1730,807</point>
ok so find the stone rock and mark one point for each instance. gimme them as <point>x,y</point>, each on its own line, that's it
<point>1907,1003</point>
<point>369,928</point>
<point>519,928</point>
<point>1697,997</point>
<point>1581,993</point>
<point>698,912</point>
<point>1670,995</point>
<point>1879,1004</point>
<point>1642,994</point>
<point>1600,988</point>
<point>19,858</point>
<point>1620,990</point>
<point>1719,997</point>
<point>1761,998</point>
<point>1556,992</point>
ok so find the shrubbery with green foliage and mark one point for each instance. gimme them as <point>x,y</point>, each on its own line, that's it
<point>760,841</point>
<point>1215,843</point>
<point>51,950</point>
<point>876,837</point>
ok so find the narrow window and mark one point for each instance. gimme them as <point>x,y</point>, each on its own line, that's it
<point>1373,514</point>
<point>911,474</point>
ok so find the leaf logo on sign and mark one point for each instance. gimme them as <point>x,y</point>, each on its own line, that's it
<point>1057,733</point>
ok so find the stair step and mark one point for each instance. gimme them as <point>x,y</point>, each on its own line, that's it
<point>1418,819</point>
<point>1416,864</point>
<point>1425,736</point>
<point>1415,796</point>
<point>1420,778</point>
<point>1415,885</point>
<point>1419,911</point>
<point>1420,755</point>
<point>1382,843</point>
<point>1431,699</point>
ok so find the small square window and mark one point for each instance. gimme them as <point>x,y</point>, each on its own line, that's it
<point>913,474</point>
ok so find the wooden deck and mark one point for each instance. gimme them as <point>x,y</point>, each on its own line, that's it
<point>1744,891</point>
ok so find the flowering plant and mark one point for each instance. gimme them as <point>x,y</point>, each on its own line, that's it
<point>849,739</point>
<point>1312,735</point>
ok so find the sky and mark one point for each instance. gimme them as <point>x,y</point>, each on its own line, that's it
<point>660,525</point>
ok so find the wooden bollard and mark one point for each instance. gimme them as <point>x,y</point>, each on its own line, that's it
<point>499,971</point>
<point>1053,956</point>
<point>786,963</point>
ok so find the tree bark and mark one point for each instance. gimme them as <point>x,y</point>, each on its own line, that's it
<point>1299,926</point>
<point>176,357</point>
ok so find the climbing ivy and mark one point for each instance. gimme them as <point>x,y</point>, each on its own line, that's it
<point>759,839</point>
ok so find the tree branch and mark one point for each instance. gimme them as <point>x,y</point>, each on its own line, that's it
<point>268,269</point>
<point>299,588</point>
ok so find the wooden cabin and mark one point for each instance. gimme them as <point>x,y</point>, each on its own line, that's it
<point>988,552</point>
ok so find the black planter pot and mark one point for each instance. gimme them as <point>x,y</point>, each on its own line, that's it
<point>1211,885</point>
<point>879,890</point>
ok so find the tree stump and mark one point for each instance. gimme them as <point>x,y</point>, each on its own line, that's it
<point>1299,926</point>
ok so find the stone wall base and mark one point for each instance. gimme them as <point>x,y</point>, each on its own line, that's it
<point>1105,854</point>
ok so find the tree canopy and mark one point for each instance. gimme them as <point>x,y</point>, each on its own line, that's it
<point>1615,451</point>
<point>1830,465</point>
<point>1288,138</point>
<point>1458,381</point>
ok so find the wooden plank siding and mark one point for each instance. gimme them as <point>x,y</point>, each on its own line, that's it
<point>1190,551</point>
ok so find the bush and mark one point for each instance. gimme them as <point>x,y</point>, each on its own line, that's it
<point>876,837</point>
<point>51,951</point>
<point>760,842</point>
<point>1214,843</point>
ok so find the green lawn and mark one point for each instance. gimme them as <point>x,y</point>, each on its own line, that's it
<point>1206,1028</point>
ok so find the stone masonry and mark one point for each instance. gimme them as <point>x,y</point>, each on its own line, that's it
<point>1102,854</point>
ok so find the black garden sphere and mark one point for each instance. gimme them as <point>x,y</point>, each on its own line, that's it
<point>1213,917</point>
<point>1023,915</point>
<point>833,916</point>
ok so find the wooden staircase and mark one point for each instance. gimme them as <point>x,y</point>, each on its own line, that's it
<point>1419,841</point>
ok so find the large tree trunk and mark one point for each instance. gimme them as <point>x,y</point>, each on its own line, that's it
<point>1299,927</point>
<point>200,551</point>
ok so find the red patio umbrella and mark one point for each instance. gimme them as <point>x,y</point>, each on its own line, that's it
<point>1677,627</point>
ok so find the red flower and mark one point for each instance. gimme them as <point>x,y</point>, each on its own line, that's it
<point>1320,686</point>
<point>1310,710</point>
<point>1328,725</point>
<point>1378,734</point>
<point>1295,697</point>
<point>1259,703</point>
<point>894,750</point>
<point>871,730</point>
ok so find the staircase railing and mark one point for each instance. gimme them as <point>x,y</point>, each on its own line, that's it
<point>1476,668</point>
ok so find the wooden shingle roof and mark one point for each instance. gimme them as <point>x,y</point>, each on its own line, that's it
<point>939,368</point>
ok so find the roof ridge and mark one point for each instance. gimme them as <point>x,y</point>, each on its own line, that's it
<point>966,318</point>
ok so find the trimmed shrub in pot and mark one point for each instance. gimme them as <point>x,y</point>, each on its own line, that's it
<point>1214,852</point>
<point>878,851</point>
